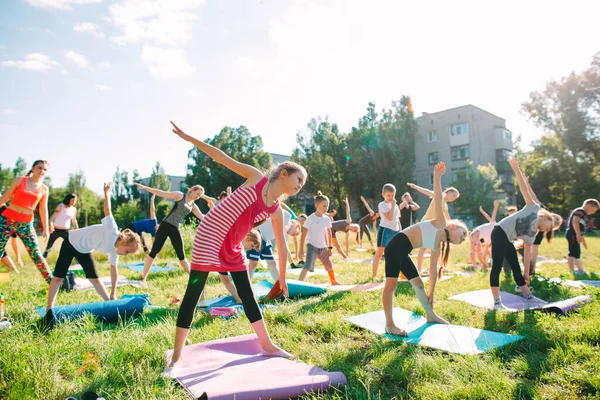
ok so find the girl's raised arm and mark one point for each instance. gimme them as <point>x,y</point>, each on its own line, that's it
<point>247,171</point>
<point>438,171</point>
<point>167,195</point>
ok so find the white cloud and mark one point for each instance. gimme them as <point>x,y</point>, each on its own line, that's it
<point>154,22</point>
<point>192,93</point>
<point>166,63</point>
<point>9,111</point>
<point>60,4</point>
<point>105,65</point>
<point>32,62</point>
<point>77,59</point>
<point>102,88</point>
<point>89,28</point>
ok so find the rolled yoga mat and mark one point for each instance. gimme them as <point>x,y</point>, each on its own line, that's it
<point>233,368</point>
<point>85,284</point>
<point>483,298</point>
<point>450,338</point>
<point>110,311</point>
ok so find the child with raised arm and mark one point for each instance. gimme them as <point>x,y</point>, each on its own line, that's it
<point>81,243</point>
<point>148,226</point>
<point>217,244</point>
<point>523,225</point>
<point>407,208</point>
<point>449,195</point>
<point>170,227</point>
<point>61,221</point>
<point>364,222</point>
<point>346,226</point>
<point>575,231</point>
<point>389,226</point>
<point>27,193</point>
<point>317,234</point>
<point>481,237</point>
<point>435,234</point>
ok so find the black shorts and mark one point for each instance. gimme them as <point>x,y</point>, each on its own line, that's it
<point>66,255</point>
<point>574,245</point>
<point>397,258</point>
<point>538,238</point>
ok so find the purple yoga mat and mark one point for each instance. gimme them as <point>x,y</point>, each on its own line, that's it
<point>233,368</point>
<point>483,298</point>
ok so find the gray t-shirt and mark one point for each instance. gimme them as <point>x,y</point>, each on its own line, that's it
<point>179,211</point>
<point>522,224</point>
<point>339,226</point>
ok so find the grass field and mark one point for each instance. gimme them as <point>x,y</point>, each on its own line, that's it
<point>558,359</point>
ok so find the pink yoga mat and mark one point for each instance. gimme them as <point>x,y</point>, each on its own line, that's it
<point>233,368</point>
<point>483,298</point>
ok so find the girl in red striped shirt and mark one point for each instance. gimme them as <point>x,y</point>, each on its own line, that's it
<point>218,241</point>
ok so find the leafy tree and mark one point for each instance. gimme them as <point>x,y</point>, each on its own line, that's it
<point>323,153</point>
<point>89,207</point>
<point>478,187</point>
<point>121,190</point>
<point>239,144</point>
<point>158,178</point>
<point>127,212</point>
<point>563,164</point>
<point>20,168</point>
<point>6,178</point>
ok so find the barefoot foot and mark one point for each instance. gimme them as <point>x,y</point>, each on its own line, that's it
<point>394,330</point>
<point>275,351</point>
<point>436,319</point>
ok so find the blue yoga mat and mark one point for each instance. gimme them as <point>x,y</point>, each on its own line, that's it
<point>450,338</point>
<point>110,311</point>
<point>139,267</point>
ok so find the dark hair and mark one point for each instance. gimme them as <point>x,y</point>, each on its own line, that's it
<point>36,162</point>
<point>67,200</point>
<point>222,195</point>
<point>320,197</point>
<point>592,202</point>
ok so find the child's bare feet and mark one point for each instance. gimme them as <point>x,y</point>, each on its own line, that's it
<point>274,351</point>
<point>172,370</point>
<point>394,330</point>
<point>433,317</point>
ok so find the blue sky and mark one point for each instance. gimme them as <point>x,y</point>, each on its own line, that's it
<point>92,84</point>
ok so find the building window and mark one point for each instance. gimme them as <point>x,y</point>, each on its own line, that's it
<point>431,179</point>
<point>459,129</point>
<point>506,177</point>
<point>431,136</point>
<point>506,134</point>
<point>182,186</point>
<point>459,152</point>
<point>433,158</point>
<point>457,172</point>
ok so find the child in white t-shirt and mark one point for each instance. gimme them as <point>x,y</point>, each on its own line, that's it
<point>389,224</point>
<point>81,243</point>
<point>317,232</point>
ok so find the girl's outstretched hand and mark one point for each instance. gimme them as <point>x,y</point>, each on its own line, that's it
<point>108,187</point>
<point>513,163</point>
<point>179,132</point>
<point>439,169</point>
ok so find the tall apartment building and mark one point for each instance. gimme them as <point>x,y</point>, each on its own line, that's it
<point>459,135</point>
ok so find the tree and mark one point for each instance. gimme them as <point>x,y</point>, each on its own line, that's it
<point>563,165</point>
<point>478,187</point>
<point>127,212</point>
<point>121,190</point>
<point>6,178</point>
<point>237,143</point>
<point>89,209</point>
<point>158,178</point>
<point>323,153</point>
<point>20,168</point>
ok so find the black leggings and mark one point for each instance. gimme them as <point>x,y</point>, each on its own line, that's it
<point>502,249</point>
<point>364,228</point>
<point>397,258</point>
<point>66,255</point>
<point>166,230</point>
<point>195,287</point>
<point>58,233</point>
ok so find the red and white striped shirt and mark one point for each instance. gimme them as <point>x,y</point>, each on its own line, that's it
<point>218,240</point>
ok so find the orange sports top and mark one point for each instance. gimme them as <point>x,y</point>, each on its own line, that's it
<point>23,197</point>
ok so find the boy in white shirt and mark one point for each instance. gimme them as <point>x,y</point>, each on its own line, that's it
<point>389,224</point>
<point>318,230</point>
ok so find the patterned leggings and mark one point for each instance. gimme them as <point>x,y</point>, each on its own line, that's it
<point>27,234</point>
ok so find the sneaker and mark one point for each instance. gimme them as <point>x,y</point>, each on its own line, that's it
<point>500,306</point>
<point>517,290</point>
<point>534,299</point>
<point>577,272</point>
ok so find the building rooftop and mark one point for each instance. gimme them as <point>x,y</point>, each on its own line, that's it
<point>459,107</point>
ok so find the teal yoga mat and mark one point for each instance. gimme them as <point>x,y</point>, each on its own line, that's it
<point>450,338</point>
<point>139,267</point>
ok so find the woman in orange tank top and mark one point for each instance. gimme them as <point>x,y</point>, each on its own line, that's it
<point>27,193</point>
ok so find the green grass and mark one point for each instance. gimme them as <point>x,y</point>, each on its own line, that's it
<point>558,359</point>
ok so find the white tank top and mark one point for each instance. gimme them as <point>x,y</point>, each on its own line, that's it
<point>64,217</point>
<point>428,232</point>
